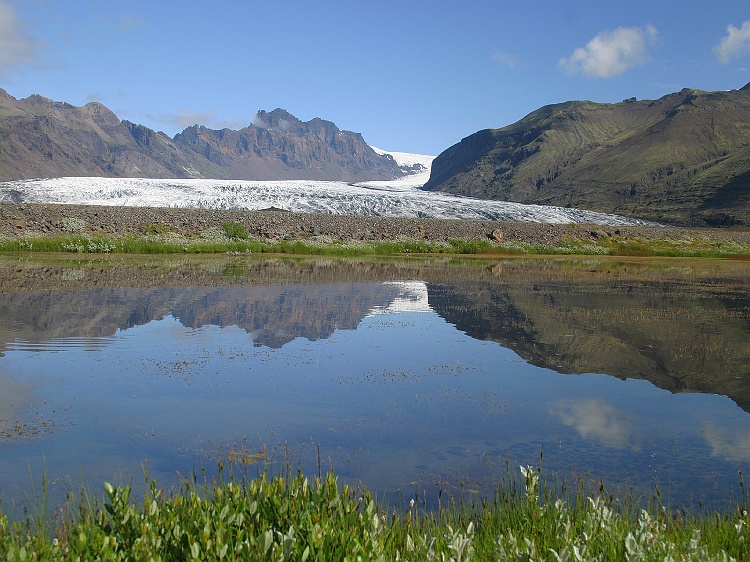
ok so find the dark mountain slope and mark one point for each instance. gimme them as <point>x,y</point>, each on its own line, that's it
<point>43,138</point>
<point>684,158</point>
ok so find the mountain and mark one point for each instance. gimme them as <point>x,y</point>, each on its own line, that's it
<point>280,146</point>
<point>682,159</point>
<point>43,138</point>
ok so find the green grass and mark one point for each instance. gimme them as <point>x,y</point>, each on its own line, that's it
<point>290,517</point>
<point>232,238</point>
<point>234,230</point>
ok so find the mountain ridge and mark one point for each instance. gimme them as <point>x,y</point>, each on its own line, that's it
<point>41,138</point>
<point>682,159</point>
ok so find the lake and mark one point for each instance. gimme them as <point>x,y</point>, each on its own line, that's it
<point>430,376</point>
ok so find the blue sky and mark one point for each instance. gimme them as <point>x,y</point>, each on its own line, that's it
<point>413,76</point>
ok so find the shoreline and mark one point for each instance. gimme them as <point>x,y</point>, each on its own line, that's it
<point>18,220</point>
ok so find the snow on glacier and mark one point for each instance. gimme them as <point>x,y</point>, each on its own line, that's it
<point>397,198</point>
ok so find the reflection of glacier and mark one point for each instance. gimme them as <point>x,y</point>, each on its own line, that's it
<point>412,297</point>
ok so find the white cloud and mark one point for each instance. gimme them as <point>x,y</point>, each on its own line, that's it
<point>507,59</point>
<point>611,52</point>
<point>16,47</point>
<point>186,118</point>
<point>735,43</point>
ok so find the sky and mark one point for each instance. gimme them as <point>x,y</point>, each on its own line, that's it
<point>409,75</point>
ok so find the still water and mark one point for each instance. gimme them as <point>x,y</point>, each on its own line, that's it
<point>408,376</point>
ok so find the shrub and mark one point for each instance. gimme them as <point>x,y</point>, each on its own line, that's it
<point>234,230</point>
<point>158,229</point>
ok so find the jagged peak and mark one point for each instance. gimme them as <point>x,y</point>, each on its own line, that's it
<point>281,120</point>
<point>278,119</point>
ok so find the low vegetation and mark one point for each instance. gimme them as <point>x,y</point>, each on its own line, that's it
<point>233,238</point>
<point>292,518</point>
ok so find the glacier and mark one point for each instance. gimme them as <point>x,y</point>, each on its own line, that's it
<point>401,197</point>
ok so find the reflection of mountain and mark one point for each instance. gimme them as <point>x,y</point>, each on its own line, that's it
<point>277,314</point>
<point>274,300</point>
<point>273,315</point>
<point>692,335</point>
<point>683,325</point>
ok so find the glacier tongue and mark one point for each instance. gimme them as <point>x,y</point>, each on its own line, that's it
<point>397,198</point>
<point>388,199</point>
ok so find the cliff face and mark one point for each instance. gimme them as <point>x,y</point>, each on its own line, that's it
<point>43,138</point>
<point>684,158</point>
<point>280,146</point>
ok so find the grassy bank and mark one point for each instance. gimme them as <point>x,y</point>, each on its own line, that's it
<point>229,241</point>
<point>293,518</point>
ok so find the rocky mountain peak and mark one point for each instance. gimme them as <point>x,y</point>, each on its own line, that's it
<point>100,114</point>
<point>280,120</point>
<point>283,121</point>
<point>45,138</point>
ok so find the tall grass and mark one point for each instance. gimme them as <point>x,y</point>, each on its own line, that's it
<point>290,517</point>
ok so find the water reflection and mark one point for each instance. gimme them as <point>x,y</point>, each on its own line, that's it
<point>597,420</point>
<point>728,443</point>
<point>407,374</point>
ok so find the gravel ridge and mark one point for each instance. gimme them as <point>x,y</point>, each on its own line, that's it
<point>34,219</point>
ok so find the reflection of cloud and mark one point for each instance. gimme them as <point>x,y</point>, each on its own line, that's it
<point>611,52</point>
<point>731,444</point>
<point>735,43</point>
<point>596,420</point>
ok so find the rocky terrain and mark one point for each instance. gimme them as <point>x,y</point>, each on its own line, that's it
<point>681,159</point>
<point>39,219</point>
<point>41,138</point>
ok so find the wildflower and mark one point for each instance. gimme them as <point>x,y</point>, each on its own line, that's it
<point>531,476</point>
